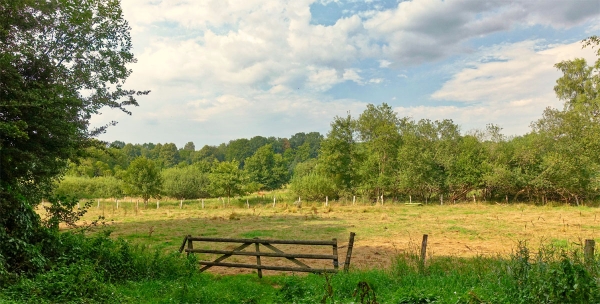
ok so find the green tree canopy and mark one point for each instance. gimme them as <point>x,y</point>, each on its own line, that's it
<point>227,179</point>
<point>142,178</point>
<point>61,61</point>
<point>267,168</point>
<point>185,183</point>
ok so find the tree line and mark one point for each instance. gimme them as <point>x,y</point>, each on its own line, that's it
<point>378,155</point>
<point>151,170</point>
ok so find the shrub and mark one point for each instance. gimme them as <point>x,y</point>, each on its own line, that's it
<point>313,186</point>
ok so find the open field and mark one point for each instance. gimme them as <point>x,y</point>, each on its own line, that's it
<point>462,230</point>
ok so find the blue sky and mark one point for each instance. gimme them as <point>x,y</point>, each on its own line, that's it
<point>220,70</point>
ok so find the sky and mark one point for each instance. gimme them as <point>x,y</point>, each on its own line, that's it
<point>220,70</point>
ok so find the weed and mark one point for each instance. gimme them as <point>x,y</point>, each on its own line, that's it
<point>365,293</point>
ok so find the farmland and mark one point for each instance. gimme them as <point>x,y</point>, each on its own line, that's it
<point>461,230</point>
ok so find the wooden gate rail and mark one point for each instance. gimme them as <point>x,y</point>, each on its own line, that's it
<point>276,253</point>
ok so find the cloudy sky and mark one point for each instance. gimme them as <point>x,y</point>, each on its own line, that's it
<point>220,70</point>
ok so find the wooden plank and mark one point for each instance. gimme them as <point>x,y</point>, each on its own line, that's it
<point>224,256</point>
<point>261,241</point>
<point>289,258</point>
<point>276,254</point>
<point>280,268</point>
<point>183,244</point>
<point>349,252</point>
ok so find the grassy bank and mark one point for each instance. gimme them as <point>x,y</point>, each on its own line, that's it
<point>100,269</point>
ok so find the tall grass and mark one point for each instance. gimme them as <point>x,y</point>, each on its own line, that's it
<point>99,269</point>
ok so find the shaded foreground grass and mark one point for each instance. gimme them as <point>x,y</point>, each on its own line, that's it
<point>99,269</point>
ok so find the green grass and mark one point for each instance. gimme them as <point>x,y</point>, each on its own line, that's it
<point>99,269</point>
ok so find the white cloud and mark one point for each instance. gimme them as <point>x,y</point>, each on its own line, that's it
<point>215,67</point>
<point>511,92</point>
<point>384,63</point>
<point>352,74</point>
<point>425,30</point>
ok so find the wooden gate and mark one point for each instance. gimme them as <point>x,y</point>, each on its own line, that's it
<point>302,267</point>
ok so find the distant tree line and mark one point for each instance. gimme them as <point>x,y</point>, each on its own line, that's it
<point>151,170</point>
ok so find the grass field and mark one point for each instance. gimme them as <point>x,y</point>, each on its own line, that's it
<point>382,232</point>
<point>476,252</point>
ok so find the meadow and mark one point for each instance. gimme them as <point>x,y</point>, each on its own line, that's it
<point>477,253</point>
<point>382,232</point>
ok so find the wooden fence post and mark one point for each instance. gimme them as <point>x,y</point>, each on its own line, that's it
<point>180,204</point>
<point>423,251</point>
<point>202,203</point>
<point>589,251</point>
<point>335,254</point>
<point>273,201</point>
<point>190,243</point>
<point>259,271</point>
<point>157,204</point>
<point>349,252</point>
<point>353,200</point>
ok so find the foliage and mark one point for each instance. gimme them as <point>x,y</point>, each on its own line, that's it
<point>90,188</point>
<point>379,131</point>
<point>142,178</point>
<point>188,182</point>
<point>338,155</point>
<point>267,168</point>
<point>228,180</point>
<point>313,186</point>
<point>553,276</point>
<point>61,62</point>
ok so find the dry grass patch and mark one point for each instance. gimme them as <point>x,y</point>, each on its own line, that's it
<point>382,231</point>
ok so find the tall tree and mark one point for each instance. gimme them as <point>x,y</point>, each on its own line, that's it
<point>379,131</point>
<point>338,153</point>
<point>168,155</point>
<point>143,178</point>
<point>267,168</point>
<point>227,179</point>
<point>61,62</point>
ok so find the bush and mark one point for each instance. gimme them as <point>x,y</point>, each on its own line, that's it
<point>86,187</point>
<point>313,186</point>
<point>83,268</point>
<point>553,276</point>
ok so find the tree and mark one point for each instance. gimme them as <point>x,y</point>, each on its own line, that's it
<point>185,183</point>
<point>378,129</point>
<point>189,146</point>
<point>168,155</point>
<point>238,150</point>
<point>227,179</point>
<point>338,153</point>
<point>61,62</point>
<point>267,168</point>
<point>579,86</point>
<point>142,178</point>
